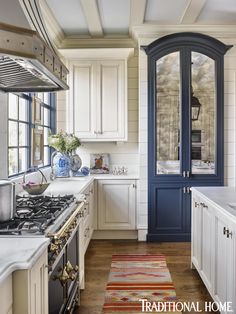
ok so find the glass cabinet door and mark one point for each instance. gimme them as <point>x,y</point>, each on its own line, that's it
<point>203,114</point>
<point>168,114</point>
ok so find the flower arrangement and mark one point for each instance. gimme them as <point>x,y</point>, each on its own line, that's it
<point>63,142</point>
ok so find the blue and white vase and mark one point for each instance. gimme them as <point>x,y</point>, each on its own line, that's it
<point>61,165</point>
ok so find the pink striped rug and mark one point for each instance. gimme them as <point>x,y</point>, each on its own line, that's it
<point>135,277</point>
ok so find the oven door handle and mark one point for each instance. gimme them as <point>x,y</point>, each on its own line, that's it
<point>73,299</point>
<point>60,232</point>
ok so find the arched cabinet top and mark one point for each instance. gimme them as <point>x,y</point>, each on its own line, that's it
<point>186,39</point>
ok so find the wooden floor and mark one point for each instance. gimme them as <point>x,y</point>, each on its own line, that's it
<point>188,284</point>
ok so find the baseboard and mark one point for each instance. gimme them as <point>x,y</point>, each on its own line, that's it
<point>178,237</point>
<point>142,235</point>
<point>115,234</point>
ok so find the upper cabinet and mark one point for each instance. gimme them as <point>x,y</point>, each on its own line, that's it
<point>97,100</point>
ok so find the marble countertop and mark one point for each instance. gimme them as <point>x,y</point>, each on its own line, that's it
<point>22,252</point>
<point>221,196</point>
<point>76,185</point>
<point>19,253</point>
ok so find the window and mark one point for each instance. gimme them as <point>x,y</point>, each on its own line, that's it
<point>21,128</point>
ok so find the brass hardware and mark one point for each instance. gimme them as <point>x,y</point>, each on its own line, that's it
<point>54,248</point>
<point>71,270</point>
<point>203,205</point>
<point>224,230</point>
<point>69,267</point>
<point>67,224</point>
<point>62,276</point>
<point>196,204</point>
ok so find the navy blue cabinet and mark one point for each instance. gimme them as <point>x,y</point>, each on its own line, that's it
<point>185,128</point>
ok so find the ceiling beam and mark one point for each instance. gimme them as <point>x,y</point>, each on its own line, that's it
<point>92,16</point>
<point>192,11</point>
<point>137,13</point>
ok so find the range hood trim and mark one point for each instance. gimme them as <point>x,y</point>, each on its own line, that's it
<point>24,44</point>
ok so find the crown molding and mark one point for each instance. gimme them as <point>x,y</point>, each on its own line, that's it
<point>91,53</point>
<point>154,31</point>
<point>104,42</point>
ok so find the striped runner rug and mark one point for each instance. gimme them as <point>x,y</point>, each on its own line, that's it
<point>139,283</point>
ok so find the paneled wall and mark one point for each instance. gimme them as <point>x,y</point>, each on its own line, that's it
<point>229,121</point>
<point>125,153</point>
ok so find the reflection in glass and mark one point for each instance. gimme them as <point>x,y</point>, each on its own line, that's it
<point>168,114</point>
<point>203,128</point>
<point>12,133</point>
<point>12,161</point>
<point>13,106</point>
<point>23,112</point>
<point>23,131</point>
<point>23,159</point>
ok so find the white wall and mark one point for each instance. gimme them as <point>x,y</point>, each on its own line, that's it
<point>229,111</point>
<point>125,153</point>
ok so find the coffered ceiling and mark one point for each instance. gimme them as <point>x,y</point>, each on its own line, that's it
<point>112,18</point>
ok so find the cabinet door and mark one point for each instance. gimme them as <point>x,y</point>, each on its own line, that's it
<point>207,243</point>
<point>116,204</point>
<point>111,103</point>
<point>196,232</point>
<point>225,269</point>
<point>84,99</point>
<point>39,287</point>
<point>221,261</point>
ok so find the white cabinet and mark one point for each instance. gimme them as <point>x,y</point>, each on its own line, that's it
<point>225,261</point>
<point>214,250</point>
<point>97,102</point>
<point>116,204</point>
<point>6,298</point>
<point>30,288</point>
<point>86,230</point>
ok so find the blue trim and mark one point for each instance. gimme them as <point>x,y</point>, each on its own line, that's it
<point>185,43</point>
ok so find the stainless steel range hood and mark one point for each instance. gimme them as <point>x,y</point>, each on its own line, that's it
<point>27,63</point>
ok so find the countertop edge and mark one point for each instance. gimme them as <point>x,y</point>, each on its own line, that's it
<point>10,267</point>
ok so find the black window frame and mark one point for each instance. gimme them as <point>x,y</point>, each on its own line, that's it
<point>30,126</point>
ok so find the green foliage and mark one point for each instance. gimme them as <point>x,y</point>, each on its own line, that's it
<point>63,142</point>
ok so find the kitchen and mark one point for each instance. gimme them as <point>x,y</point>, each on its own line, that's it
<point>149,96</point>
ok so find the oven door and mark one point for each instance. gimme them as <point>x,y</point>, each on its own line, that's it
<point>57,293</point>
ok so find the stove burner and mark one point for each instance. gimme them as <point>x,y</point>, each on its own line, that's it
<point>35,213</point>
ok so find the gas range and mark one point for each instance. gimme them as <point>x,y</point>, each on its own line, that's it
<point>38,215</point>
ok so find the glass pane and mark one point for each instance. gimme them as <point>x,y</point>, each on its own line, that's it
<point>12,161</point>
<point>46,156</point>
<point>13,133</point>
<point>168,114</point>
<point>13,107</point>
<point>46,117</point>
<point>46,98</point>
<point>23,131</point>
<point>23,159</point>
<point>46,134</point>
<point>40,96</point>
<point>23,112</point>
<point>203,111</point>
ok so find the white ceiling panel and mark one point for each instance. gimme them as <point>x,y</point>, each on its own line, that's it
<point>115,16</point>
<point>165,11</point>
<point>69,15</point>
<point>218,12</point>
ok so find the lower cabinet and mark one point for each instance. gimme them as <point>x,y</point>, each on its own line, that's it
<point>86,230</point>
<point>116,204</point>
<point>6,298</point>
<point>214,250</point>
<point>30,288</point>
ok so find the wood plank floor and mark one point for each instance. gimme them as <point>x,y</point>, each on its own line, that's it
<point>188,284</point>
